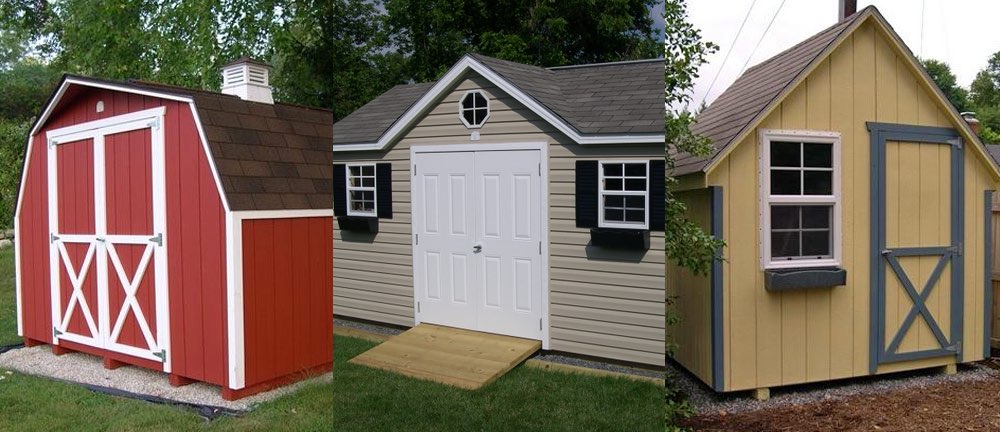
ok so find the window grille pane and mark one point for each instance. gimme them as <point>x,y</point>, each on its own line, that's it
<point>635,201</point>
<point>784,244</point>
<point>635,170</point>
<point>816,216</point>
<point>614,215</point>
<point>785,154</point>
<point>635,216</point>
<point>635,184</point>
<point>784,217</point>
<point>816,244</point>
<point>785,182</point>
<point>613,184</point>
<point>818,182</point>
<point>613,170</point>
<point>614,201</point>
<point>817,155</point>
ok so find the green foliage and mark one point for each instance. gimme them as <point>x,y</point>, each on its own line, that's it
<point>941,73</point>
<point>334,55</point>
<point>990,135</point>
<point>433,34</point>
<point>985,88</point>
<point>13,134</point>
<point>686,243</point>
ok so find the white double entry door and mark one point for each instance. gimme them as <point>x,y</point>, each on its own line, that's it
<point>478,232</point>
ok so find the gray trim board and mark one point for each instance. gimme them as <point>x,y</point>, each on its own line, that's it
<point>718,383</point>
<point>987,270</point>
<point>881,256</point>
<point>794,279</point>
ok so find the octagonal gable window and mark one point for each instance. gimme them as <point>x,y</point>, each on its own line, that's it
<point>474,109</point>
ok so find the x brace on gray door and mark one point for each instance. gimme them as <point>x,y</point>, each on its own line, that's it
<point>883,257</point>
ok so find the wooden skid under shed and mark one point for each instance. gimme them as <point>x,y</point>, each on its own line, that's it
<point>456,357</point>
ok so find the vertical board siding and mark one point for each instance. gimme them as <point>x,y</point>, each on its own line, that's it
<point>195,230</point>
<point>689,297</point>
<point>780,338</point>
<point>601,303</point>
<point>286,308</point>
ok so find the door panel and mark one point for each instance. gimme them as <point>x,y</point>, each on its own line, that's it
<point>442,224</point>
<point>491,278</point>
<point>917,246</point>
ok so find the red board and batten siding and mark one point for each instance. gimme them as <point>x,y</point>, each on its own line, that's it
<point>195,233</point>
<point>284,293</point>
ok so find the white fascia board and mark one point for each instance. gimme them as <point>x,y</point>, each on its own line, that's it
<point>451,78</point>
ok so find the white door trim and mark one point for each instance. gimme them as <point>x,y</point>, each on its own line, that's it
<point>96,131</point>
<point>543,148</point>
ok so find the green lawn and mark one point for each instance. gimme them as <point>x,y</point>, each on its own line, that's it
<point>359,399</point>
<point>523,400</point>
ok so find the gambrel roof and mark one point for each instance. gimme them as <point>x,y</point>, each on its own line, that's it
<point>604,103</point>
<point>266,157</point>
<point>738,110</point>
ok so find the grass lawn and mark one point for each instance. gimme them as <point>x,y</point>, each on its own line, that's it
<point>359,399</point>
<point>523,400</point>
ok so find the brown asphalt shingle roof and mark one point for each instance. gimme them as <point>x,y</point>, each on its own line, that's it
<point>745,100</point>
<point>269,157</point>
<point>607,98</point>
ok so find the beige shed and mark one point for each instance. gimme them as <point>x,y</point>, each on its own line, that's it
<point>854,201</point>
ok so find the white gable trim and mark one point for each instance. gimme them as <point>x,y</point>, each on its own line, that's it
<point>125,89</point>
<point>450,79</point>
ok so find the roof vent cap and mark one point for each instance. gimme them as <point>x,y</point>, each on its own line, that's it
<point>248,79</point>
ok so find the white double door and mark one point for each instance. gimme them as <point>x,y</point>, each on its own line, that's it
<point>477,220</point>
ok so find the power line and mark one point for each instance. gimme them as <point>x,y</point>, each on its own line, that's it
<point>762,37</point>
<point>923,6</point>
<point>730,51</point>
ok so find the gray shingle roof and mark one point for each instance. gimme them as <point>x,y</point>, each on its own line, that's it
<point>607,98</point>
<point>745,100</point>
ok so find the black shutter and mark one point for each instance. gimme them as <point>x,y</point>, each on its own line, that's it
<point>383,187</point>
<point>339,190</point>
<point>586,194</point>
<point>657,194</point>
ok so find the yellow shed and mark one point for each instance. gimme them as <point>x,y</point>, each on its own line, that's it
<point>854,203</point>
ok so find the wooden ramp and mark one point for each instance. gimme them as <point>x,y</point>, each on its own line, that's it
<point>461,358</point>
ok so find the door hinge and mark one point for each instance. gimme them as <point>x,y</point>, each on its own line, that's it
<point>414,170</point>
<point>539,169</point>
<point>56,332</point>
<point>53,238</point>
<point>955,347</point>
<point>418,307</point>
<point>539,248</point>
<point>957,143</point>
<point>158,239</point>
<point>162,355</point>
<point>957,249</point>
<point>416,239</point>
<point>539,324</point>
<point>155,123</point>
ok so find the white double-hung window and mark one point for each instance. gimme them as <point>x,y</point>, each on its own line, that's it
<point>361,190</point>
<point>800,199</point>
<point>623,194</point>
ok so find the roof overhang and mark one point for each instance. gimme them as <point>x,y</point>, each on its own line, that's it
<point>883,26</point>
<point>453,76</point>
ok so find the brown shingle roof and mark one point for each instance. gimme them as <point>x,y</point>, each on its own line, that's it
<point>269,157</point>
<point>748,98</point>
<point>607,98</point>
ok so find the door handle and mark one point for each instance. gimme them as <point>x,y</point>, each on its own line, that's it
<point>477,248</point>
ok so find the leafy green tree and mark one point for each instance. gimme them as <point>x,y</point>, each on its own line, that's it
<point>942,75</point>
<point>334,54</point>
<point>686,243</point>
<point>985,88</point>
<point>13,134</point>
<point>433,34</point>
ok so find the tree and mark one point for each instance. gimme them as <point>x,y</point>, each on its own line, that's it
<point>685,242</point>
<point>941,73</point>
<point>985,88</point>
<point>334,54</point>
<point>434,34</point>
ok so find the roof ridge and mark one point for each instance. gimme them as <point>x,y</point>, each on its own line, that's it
<point>614,63</point>
<point>845,22</point>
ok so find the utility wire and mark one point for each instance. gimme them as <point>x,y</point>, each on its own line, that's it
<point>730,51</point>
<point>762,37</point>
<point>923,6</point>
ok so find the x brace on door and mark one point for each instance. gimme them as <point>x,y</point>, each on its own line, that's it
<point>919,300</point>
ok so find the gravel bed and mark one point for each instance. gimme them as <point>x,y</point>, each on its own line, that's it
<point>573,361</point>
<point>706,401</point>
<point>371,328</point>
<point>89,369</point>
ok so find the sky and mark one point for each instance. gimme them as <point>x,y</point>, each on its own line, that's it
<point>962,33</point>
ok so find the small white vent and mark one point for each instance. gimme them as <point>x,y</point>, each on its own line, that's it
<point>247,79</point>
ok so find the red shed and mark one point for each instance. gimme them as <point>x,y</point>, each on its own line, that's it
<point>179,230</point>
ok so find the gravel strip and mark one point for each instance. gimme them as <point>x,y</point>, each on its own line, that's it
<point>555,358</point>
<point>89,369</point>
<point>371,328</point>
<point>706,401</point>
